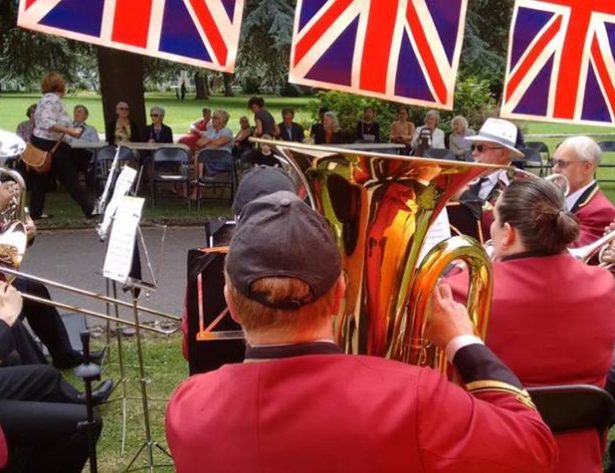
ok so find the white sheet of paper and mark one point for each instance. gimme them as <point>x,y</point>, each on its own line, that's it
<point>118,260</point>
<point>122,187</point>
<point>438,231</point>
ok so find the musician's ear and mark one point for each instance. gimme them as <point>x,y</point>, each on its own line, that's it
<point>231,304</point>
<point>510,235</point>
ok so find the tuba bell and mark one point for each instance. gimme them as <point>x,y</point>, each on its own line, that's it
<point>380,207</point>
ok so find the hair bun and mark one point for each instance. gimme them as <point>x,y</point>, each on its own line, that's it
<point>567,226</point>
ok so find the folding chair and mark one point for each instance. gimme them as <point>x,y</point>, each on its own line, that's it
<point>171,165</point>
<point>438,153</point>
<point>104,159</point>
<point>221,172</point>
<point>606,147</point>
<point>545,154</point>
<point>533,159</point>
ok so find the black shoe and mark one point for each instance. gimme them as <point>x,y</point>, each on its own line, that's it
<point>96,357</point>
<point>76,359</point>
<point>99,395</point>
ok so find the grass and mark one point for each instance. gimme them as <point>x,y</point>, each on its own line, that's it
<point>165,369</point>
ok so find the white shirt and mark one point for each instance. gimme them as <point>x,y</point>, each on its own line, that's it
<point>491,181</point>
<point>437,138</point>
<point>571,199</point>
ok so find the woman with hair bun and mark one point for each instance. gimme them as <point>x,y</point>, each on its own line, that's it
<point>552,317</point>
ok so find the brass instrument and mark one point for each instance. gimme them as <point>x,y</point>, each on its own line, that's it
<point>587,252</point>
<point>13,244</point>
<point>380,207</point>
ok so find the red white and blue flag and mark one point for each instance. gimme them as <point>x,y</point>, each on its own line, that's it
<point>402,50</point>
<point>561,64</point>
<point>203,33</point>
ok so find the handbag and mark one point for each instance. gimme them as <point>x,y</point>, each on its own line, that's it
<point>38,160</point>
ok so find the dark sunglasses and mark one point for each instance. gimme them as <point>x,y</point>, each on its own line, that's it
<point>154,115</point>
<point>563,164</point>
<point>483,148</point>
<point>123,108</point>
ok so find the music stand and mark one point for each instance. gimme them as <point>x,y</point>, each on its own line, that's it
<point>119,267</point>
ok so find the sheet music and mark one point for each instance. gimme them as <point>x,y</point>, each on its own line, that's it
<point>118,260</point>
<point>438,231</point>
<point>122,187</point>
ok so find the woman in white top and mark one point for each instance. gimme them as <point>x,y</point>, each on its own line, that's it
<point>428,135</point>
<point>52,124</point>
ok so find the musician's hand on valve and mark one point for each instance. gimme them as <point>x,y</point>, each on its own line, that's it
<point>610,228</point>
<point>448,318</point>
<point>10,303</point>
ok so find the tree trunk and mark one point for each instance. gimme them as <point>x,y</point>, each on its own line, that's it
<point>228,80</point>
<point>201,85</point>
<point>121,79</point>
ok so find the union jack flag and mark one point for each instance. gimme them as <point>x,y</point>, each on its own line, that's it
<point>402,50</point>
<point>561,64</point>
<point>203,33</point>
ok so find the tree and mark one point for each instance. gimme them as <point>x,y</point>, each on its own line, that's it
<point>266,35</point>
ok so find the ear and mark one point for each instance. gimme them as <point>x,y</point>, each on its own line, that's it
<point>510,235</point>
<point>230,304</point>
<point>340,291</point>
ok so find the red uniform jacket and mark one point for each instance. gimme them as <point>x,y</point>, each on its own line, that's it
<point>553,322</point>
<point>341,413</point>
<point>594,211</point>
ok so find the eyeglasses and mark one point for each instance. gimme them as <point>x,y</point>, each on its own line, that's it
<point>562,163</point>
<point>154,115</point>
<point>123,108</point>
<point>483,148</point>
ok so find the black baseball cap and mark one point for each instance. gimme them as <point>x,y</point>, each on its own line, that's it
<point>279,235</point>
<point>259,181</point>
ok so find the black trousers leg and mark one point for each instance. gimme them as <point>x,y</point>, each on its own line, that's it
<point>43,428</point>
<point>47,323</point>
<point>66,172</point>
<point>28,351</point>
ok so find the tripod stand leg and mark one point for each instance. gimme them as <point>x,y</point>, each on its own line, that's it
<point>123,379</point>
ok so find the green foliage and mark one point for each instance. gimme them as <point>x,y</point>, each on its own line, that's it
<point>349,109</point>
<point>250,85</point>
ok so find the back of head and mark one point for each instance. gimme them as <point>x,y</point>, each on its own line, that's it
<point>53,82</point>
<point>536,208</point>
<point>282,266</point>
<point>258,182</point>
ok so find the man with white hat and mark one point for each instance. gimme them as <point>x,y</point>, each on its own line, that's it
<point>494,144</point>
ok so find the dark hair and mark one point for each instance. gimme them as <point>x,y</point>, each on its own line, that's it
<point>31,109</point>
<point>85,109</point>
<point>205,109</point>
<point>290,110</point>
<point>537,210</point>
<point>258,101</point>
<point>369,107</point>
<point>323,110</point>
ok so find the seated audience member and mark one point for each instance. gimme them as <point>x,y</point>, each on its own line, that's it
<point>368,129</point>
<point>547,306</point>
<point>289,130</point>
<point>261,155</point>
<point>402,129</point>
<point>42,416</point>
<point>122,128</point>
<point>157,131</point>
<point>25,128</point>
<point>577,158</point>
<point>458,144</point>
<point>312,405</point>
<point>198,129</point>
<point>44,320</point>
<point>329,133</point>
<point>428,135</point>
<point>265,124</point>
<point>242,141</point>
<point>317,128</point>
<point>83,156</point>
<point>219,138</point>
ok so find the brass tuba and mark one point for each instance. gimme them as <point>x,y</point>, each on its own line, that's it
<point>14,239</point>
<point>380,207</point>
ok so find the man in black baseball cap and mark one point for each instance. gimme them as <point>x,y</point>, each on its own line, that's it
<point>298,404</point>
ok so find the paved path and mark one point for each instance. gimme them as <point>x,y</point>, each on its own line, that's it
<point>76,258</point>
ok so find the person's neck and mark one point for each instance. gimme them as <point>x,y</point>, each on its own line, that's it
<point>273,337</point>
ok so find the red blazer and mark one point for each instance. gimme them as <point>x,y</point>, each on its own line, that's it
<point>553,322</point>
<point>4,450</point>
<point>341,413</point>
<point>594,211</point>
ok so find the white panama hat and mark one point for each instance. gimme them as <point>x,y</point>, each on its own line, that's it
<point>10,144</point>
<point>501,132</point>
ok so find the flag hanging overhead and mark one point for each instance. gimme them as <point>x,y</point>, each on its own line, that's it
<point>203,33</point>
<point>402,50</point>
<point>561,64</point>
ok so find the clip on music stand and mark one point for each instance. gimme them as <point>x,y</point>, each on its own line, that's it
<point>119,267</point>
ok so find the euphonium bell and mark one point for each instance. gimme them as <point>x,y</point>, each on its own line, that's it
<point>14,239</point>
<point>380,207</point>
